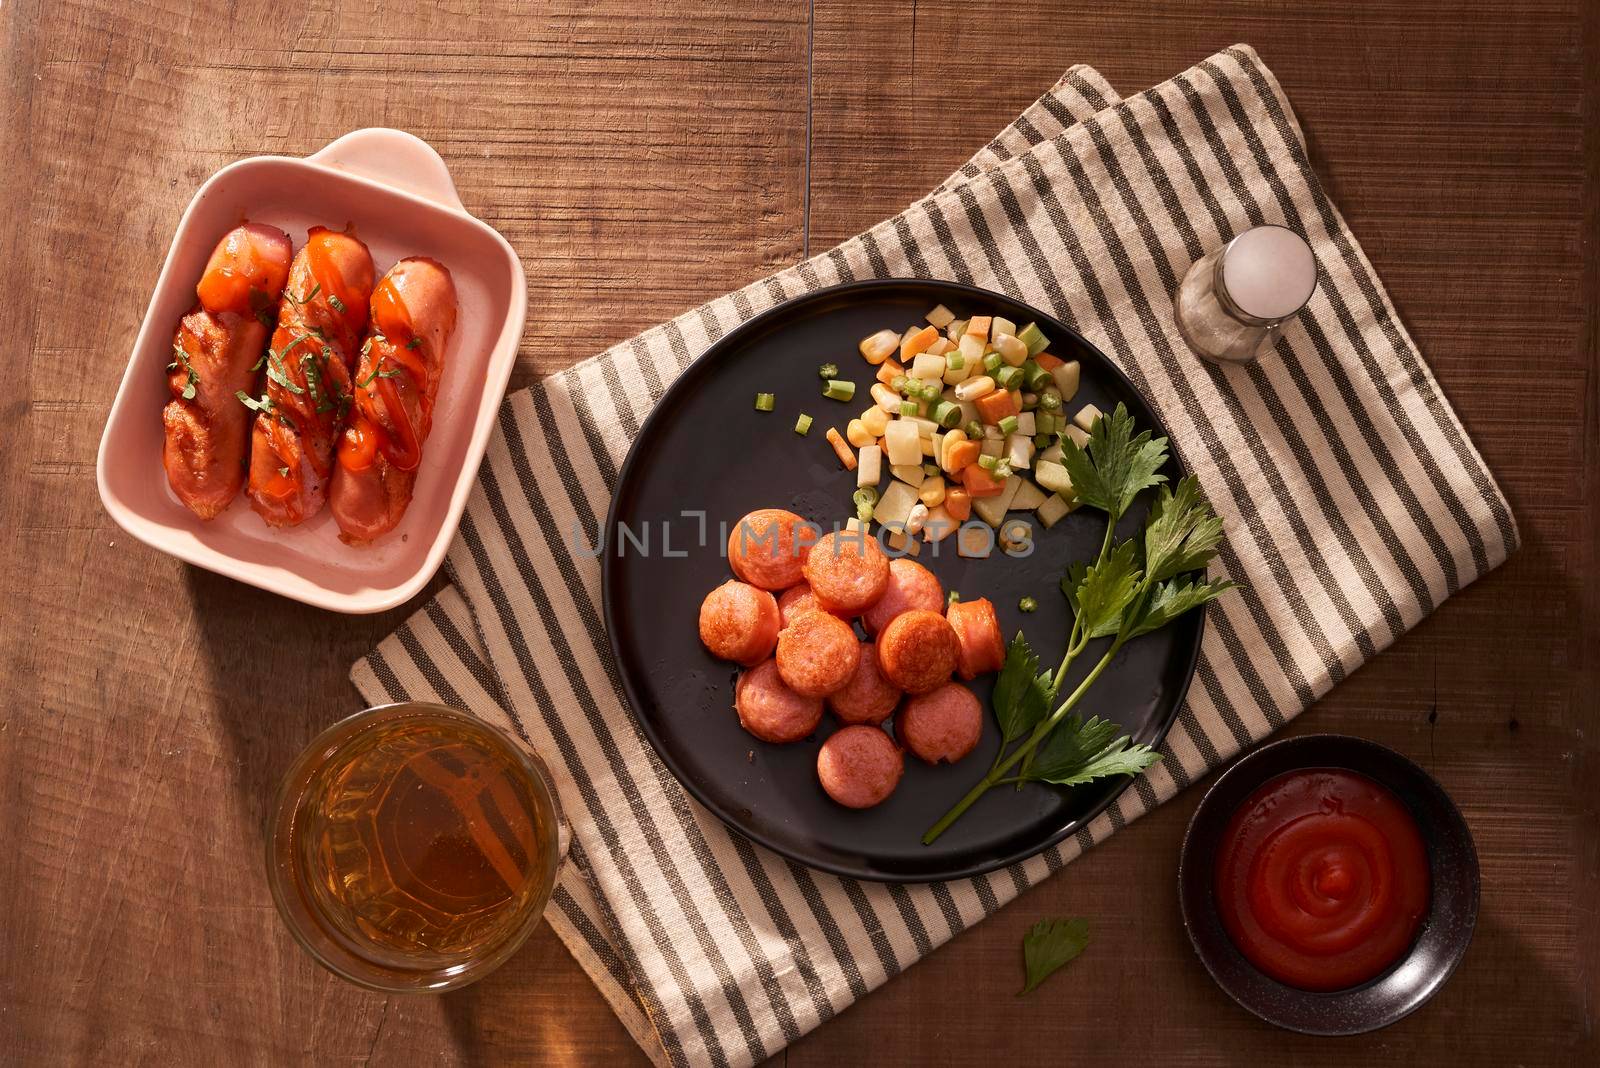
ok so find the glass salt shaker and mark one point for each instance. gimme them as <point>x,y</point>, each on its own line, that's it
<point>1233,303</point>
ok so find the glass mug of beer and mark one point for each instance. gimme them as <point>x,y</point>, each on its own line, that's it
<point>414,847</point>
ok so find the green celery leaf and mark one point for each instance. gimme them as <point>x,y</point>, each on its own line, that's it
<point>1049,945</point>
<point>1070,746</point>
<point>1181,533</point>
<point>1118,758</point>
<point>1105,590</point>
<point>1020,703</point>
<point>1117,464</point>
<point>1173,598</point>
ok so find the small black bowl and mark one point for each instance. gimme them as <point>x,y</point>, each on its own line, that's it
<point>1446,932</point>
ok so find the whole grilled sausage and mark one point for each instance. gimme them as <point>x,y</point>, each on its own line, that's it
<point>309,364</point>
<point>215,355</point>
<point>397,380</point>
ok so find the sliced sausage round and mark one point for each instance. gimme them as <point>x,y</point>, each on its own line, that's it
<point>770,710</point>
<point>847,571</point>
<point>978,632</point>
<point>917,651</point>
<point>795,602</point>
<point>768,547</point>
<point>739,622</point>
<point>868,697</point>
<point>817,654</point>
<point>942,725</point>
<point>859,766</point>
<point>910,586</point>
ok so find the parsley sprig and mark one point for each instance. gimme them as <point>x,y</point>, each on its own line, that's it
<point>1049,945</point>
<point>1133,587</point>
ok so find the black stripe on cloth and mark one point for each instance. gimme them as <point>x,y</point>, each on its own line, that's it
<point>841,265</point>
<point>908,243</point>
<point>1318,337</point>
<point>829,926</point>
<point>602,950</point>
<point>991,249</point>
<point>947,242</point>
<point>1090,284</point>
<point>1028,130</point>
<point>1086,89</point>
<point>1287,501</point>
<point>465,651</point>
<point>1232,478</point>
<point>869,244</point>
<point>622,773</point>
<point>580,503</point>
<point>1381,313</point>
<point>872,923</point>
<point>590,796</point>
<point>1335,444</point>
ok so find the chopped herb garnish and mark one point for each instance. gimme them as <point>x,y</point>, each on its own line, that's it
<point>302,300</point>
<point>275,375</point>
<point>336,304</point>
<point>263,404</point>
<point>377,373</point>
<point>284,471</point>
<point>193,380</point>
<point>1027,604</point>
<point>414,343</point>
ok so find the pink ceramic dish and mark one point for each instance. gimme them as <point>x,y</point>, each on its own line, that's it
<point>398,193</point>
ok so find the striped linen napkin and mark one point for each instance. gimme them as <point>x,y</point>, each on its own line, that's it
<point>1353,500</point>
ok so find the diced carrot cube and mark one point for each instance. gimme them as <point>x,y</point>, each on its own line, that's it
<point>963,454</point>
<point>958,502</point>
<point>993,407</point>
<point>1047,361</point>
<point>891,369</point>
<point>980,483</point>
<point>915,344</point>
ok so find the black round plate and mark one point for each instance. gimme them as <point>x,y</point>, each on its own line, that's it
<point>705,449</point>
<point>1417,976</point>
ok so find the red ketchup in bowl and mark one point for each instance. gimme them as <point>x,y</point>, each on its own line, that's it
<point>1322,879</point>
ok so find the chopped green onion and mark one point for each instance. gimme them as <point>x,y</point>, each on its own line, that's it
<point>910,407</point>
<point>954,598</point>
<point>954,361</point>
<point>988,463</point>
<point>1044,423</point>
<point>1050,400</point>
<point>765,402</point>
<point>1027,604</point>
<point>1031,337</point>
<point>974,431</point>
<point>947,414</point>
<point>899,383</point>
<point>992,362</point>
<point>1008,377</point>
<point>802,425</point>
<point>828,370</point>
<point>1042,441</point>
<point>1008,425</point>
<point>865,499</point>
<point>931,470</point>
<point>1002,469</point>
<point>1036,377</point>
<point>839,389</point>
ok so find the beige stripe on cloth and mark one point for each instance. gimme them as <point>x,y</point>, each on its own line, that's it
<point>1353,500</point>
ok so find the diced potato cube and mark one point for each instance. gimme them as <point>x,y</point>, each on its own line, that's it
<point>1087,416</point>
<point>1053,510</point>
<point>972,348</point>
<point>995,446</point>
<point>910,474</point>
<point>956,375</point>
<point>1079,435</point>
<point>956,329</point>
<point>869,465</point>
<point>992,510</point>
<point>941,346</point>
<point>1026,425</point>
<point>1066,377</point>
<point>941,316</point>
<point>900,543</point>
<point>938,525</point>
<point>1019,450</point>
<point>902,443</point>
<point>1053,477</point>
<point>1001,325</point>
<point>928,368</point>
<point>974,540</point>
<point>1053,453</point>
<point>1028,496</point>
<point>895,504</point>
<point>926,428</point>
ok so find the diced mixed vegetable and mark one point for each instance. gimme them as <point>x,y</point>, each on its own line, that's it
<point>961,408</point>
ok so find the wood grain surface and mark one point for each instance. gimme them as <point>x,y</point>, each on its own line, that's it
<point>642,156</point>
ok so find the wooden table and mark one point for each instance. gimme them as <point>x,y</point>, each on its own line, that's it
<point>644,155</point>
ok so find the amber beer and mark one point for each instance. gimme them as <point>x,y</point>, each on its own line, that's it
<point>414,847</point>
